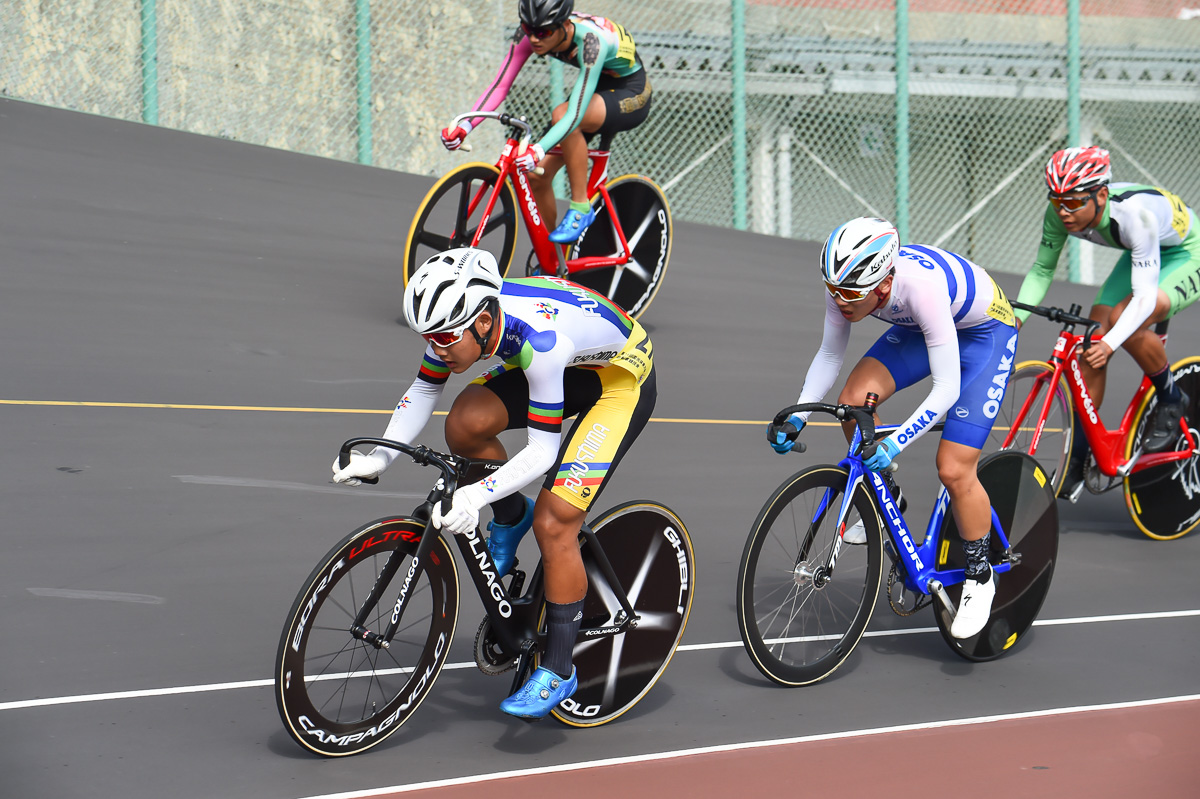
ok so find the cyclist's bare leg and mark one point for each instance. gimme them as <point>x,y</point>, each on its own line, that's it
<point>556,525</point>
<point>868,375</point>
<point>1145,346</point>
<point>474,424</point>
<point>542,187</point>
<point>957,466</point>
<point>574,145</point>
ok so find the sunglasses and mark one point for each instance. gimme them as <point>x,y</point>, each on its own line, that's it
<point>847,294</point>
<point>538,33</point>
<point>1070,204</point>
<point>447,338</point>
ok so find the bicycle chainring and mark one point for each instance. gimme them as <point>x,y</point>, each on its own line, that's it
<point>489,656</point>
<point>1096,481</point>
<point>897,593</point>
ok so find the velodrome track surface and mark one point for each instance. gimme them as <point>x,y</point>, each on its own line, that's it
<point>189,328</point>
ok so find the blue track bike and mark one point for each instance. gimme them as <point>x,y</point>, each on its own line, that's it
<point>805,596</point>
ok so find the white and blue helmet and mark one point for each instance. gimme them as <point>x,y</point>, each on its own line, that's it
<point>860,253</point>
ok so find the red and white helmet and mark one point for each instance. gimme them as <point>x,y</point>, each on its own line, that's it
<point>1078,169</point>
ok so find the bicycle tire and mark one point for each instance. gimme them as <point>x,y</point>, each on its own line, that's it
<point>1019,490</point>
<point>338,695</point>
<point>444,209</point>
<point>645,218</point>
<point>797,624</point>
<point>651,553</point>
<point>1054,446</point>
<point>1164,502</point>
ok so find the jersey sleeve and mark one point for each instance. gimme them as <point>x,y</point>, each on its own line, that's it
<point>827,363</point>
<point>544,358</point>
<point>593,52</point>
<point>1037,282</point>
<point>518,53</point>
<point>1140,233</point>
<point>414,409</point>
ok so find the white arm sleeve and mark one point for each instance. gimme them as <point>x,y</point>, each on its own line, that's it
<point>412,412</point>
<point>1143,278</point>
<point>827,363</point>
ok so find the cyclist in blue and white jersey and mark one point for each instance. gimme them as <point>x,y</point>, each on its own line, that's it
<point>948,319</point>
<point>567,351</point>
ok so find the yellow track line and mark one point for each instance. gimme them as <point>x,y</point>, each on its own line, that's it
<point>282,409</point>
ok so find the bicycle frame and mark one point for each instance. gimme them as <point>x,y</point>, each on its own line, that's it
<point>1108,446</point>
<point>549,254</point>
<point>513,614</point>
<point>920,573</point>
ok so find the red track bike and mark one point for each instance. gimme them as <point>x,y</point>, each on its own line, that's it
<point>622,255</point>
<point>1162,490</point>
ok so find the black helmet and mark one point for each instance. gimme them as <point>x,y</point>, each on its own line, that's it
<point>544,13</point>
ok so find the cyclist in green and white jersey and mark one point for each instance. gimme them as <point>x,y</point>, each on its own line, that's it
<point>1157,276</point>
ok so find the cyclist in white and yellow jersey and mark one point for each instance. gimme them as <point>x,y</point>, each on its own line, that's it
<point>1157,275</point>
<point>948,319</point>
<point>567,351</point>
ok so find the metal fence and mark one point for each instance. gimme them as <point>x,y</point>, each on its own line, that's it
<point>777,116</point>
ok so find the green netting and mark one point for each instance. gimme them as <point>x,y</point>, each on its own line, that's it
<point>374,80</point>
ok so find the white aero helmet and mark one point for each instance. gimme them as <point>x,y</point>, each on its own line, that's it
<point>860,254</point>
<point>449,290</point>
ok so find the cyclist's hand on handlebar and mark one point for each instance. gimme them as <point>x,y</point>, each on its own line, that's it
<point>362,465</point>
<point>463,515</point>
<point>452,138</point>
<point>1098,354</point>
<point>783,437</point>
<point>530,158</point>
<point>885,453</point>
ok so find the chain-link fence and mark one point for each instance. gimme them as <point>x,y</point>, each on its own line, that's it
<point>782,116</point>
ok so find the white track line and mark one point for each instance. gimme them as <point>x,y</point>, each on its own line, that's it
<point>230,686</point>
<point>709,750</point>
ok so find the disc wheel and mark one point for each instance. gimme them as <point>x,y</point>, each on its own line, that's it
<point>1032,380</point>
<point>1164,501</point>
<point>645,218</point>
<point>337,693</point>
<point>651,552</point>
<point>1019,490</point>
<point>800,618</point>
<point>452,211</point>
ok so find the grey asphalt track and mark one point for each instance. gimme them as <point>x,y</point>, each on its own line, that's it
<point>146,547</point>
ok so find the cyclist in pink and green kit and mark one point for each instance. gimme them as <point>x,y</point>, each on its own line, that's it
<point>611,94</point>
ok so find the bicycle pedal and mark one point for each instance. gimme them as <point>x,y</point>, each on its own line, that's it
<point>1073,497</point>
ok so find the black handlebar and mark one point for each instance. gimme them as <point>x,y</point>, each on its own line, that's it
<point>863,417</point>
<point>1068,318</point>
<point>450,465</point>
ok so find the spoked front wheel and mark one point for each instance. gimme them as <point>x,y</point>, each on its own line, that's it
<point>800,612</point>
<point>337,693</point>
<point>645,218</point>
<point>452,212</point>
<point>1028,387</point>
<point>1019,490</point>
<point>651,553</point>
<point>1164,501</point>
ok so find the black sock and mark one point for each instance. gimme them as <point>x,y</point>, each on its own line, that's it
<point>978,568</point>
<point>509,510</point>
<point>1164,384</point>
<point>562,628</point>
<point>1079,443</point>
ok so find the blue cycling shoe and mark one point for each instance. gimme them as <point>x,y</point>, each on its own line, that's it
<point>572,226</point>
<point>540,694</point>
<point>503,539</point>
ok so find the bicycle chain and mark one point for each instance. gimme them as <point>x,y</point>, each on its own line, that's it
<point>897,603</point>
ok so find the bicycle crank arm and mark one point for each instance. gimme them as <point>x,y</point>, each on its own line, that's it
<point>937,589</point>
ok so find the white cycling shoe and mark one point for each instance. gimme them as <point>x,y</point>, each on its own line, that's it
<point>975,607</point>
<point>855,535</point>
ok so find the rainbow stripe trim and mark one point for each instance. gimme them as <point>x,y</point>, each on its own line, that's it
<point>546,416</point>
<point>595,475</point>
<point>433,370</point>
<point>571,294</point>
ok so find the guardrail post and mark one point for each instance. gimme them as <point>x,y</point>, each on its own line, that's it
<point>1073,127</point>
<point>362,46</point>
<point>738,74</point>
<point>150,62</point>
<point>902,151</point>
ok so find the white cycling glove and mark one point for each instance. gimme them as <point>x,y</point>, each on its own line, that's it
<point>530,158</point>
<point>362,465</point>
<point>463,516</point>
